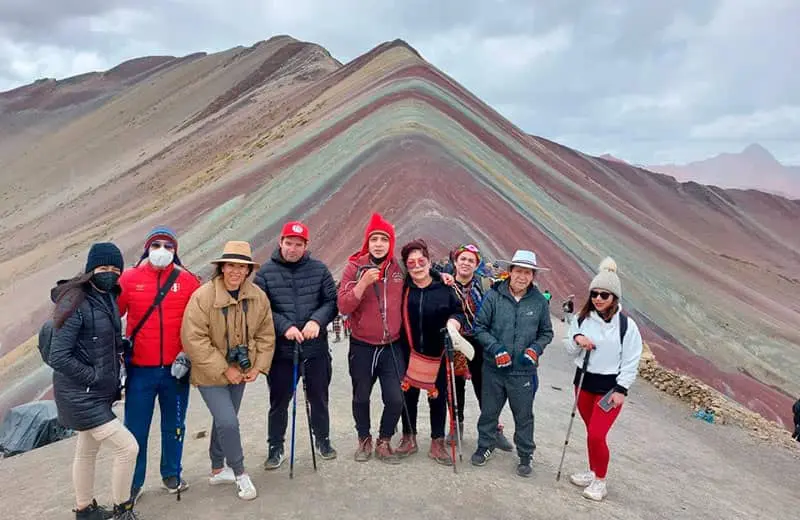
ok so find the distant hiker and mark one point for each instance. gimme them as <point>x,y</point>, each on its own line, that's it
<point>230,338</point>
<point>568,307</point>
<point>337,328</point>
<point>302,295</point>
<point>470,293</point>
<point>547,296</point>
<point>613,363</point>
<point>371,295</point>
<point>513,326</point>
<point>428,306</point>
<point>85,354</point>
<point>154,331</point>
<point>796,412</point>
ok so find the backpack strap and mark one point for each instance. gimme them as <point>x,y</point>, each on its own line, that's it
<point>162,292</point>
<point>623,327</point>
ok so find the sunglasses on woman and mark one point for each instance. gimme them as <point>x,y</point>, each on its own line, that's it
<point>159,245</point>
<point>603,295</point>
<point>422,262</point>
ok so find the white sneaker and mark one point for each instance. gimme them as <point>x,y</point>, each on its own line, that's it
<point>596,490</point>
<point>247,491</point>
<point>582,479</point>
<point>225,476</point>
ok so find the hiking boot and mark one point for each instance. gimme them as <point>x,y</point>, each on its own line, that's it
<point>125,511</point>
<point>325,449</point>
<point>481,455</point>
<point>384,451</point>
<point>439,452</point>
<point>364,451</point>
<point>93,512</point>
<point>171,485</point>
<point>597,490</point>
<point>524,467</point>
<point>245,488</point>
<point>582,479</point>
<point>274,457</point>
<point>501,442</point>
<point>225,476</point>
<point>408,445</point>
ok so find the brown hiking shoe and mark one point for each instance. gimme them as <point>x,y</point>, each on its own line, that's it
<point>384,451</point>
<point>408,445</point>
<point>439,452</point>
<point>364,451</point>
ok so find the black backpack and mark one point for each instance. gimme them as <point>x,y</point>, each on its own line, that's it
<point>623,326</point>
<point>46,338</point>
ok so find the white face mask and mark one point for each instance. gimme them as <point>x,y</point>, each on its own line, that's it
<point>161,257</point>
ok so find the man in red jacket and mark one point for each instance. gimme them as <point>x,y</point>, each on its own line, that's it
<point>156,346</point>
<point>371,294</point>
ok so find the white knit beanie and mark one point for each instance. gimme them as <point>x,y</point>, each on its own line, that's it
<point>607,278</point>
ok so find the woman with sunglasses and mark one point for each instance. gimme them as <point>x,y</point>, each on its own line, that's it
<point>428,306</point>
<point>614,352</point>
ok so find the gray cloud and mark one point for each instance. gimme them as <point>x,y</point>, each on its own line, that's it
<point>648,81</point>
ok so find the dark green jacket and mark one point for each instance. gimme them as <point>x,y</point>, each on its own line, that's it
<point>504,322</point>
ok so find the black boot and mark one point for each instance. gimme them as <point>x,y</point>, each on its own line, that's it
<point>125,511</point>
<point>93,512</point>
<point>524,467</point>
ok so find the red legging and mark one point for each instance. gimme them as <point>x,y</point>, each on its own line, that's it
<point>598,423</point>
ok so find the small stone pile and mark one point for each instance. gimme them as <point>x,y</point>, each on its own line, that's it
<point>702,397</point>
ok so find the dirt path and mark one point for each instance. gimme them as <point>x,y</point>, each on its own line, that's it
<point>665,464</point>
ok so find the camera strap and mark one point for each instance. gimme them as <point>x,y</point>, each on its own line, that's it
<point>227,333</point>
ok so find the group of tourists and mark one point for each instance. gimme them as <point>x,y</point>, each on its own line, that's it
<point>410,327</point>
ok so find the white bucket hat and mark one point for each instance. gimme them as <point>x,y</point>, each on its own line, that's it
<point>527,259</point>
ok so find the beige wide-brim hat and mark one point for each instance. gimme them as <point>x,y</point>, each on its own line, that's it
<point>237,252</point>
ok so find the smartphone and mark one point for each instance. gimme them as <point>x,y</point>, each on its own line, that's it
<point>605,402</point>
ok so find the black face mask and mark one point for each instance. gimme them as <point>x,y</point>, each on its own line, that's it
<point>105,281</point>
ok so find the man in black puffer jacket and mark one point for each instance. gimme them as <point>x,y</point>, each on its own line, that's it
<point>302,294</point>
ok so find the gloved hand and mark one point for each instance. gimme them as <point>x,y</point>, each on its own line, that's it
<point>530,357</point>
<point>181,365</point>
<point>459,343</point>
<point>502,358</point>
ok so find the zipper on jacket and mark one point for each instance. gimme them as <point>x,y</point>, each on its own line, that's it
<point>421,334</point>
<point>160,323</point>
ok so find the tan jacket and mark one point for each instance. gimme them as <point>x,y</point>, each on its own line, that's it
<point>203,330</point>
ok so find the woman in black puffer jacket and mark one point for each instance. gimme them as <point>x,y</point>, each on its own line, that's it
<point>85,356</point>
<point>428,306</point>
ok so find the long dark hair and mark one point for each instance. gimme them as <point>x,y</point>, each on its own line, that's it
<point>68,296</point>
<point>589,307</point>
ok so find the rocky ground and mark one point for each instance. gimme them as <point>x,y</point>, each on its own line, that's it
<point>665,464</point>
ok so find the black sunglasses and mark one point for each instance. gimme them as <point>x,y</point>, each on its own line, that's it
<point>603,295</point>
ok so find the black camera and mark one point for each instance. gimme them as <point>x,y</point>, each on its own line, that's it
<point>238,355</point>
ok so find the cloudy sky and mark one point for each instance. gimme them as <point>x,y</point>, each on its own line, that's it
<point>650,81</point>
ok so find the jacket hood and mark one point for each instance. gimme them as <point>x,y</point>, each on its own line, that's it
<point>377,224</point>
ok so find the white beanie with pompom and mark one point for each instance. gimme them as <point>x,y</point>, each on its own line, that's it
<point>607,278</point>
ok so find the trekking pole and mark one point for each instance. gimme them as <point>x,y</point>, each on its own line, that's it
<point>295,362</point>
<point>308,414</point>
<point>451,383</point>
<point>179,438</point>
<point>574,408</point>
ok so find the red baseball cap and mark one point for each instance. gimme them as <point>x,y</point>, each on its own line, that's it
<point>295,229</point>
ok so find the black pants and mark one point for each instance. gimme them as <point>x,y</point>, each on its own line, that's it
<point>438,407</point>
<point>317,373</point>
<point>518,390</point>
<point>476,370</point>
<point>369,363</point>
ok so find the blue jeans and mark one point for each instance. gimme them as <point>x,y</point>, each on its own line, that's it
<point>143,385</point>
